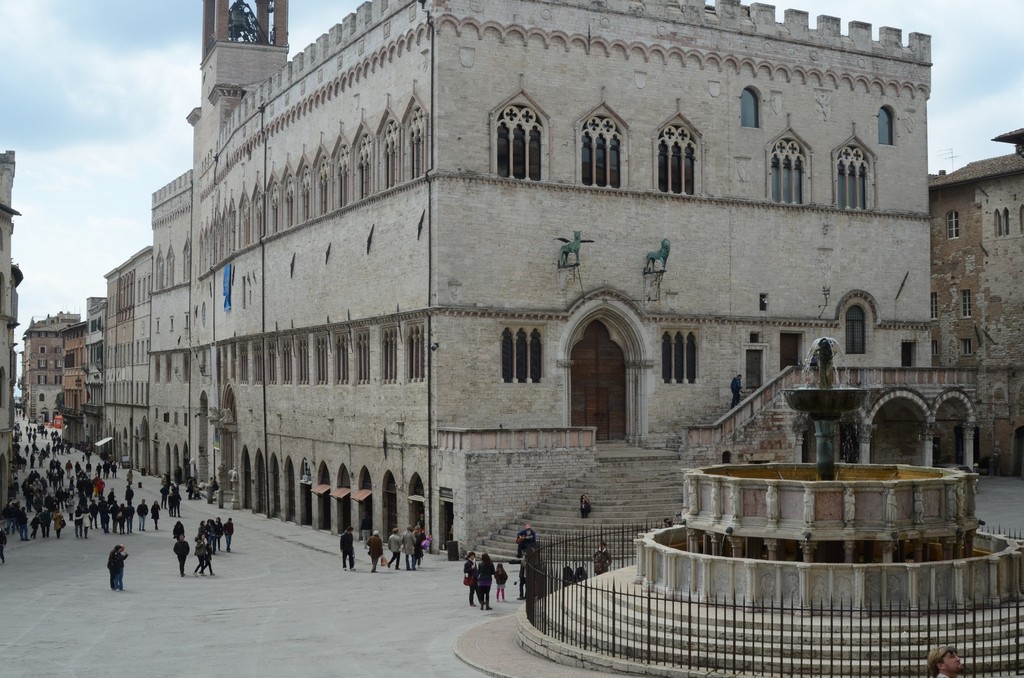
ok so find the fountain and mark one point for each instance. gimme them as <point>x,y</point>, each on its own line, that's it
<point>825,404</point>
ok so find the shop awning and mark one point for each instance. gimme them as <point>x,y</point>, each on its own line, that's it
<point>417,497</point>
<point>103,442</point>
<point>320,489</point>
<point>361,495</point>
<point>341,492</point>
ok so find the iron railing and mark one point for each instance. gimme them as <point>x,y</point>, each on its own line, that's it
<point>616,617</point>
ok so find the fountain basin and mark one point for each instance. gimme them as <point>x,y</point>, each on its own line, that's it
<point>825,403</point>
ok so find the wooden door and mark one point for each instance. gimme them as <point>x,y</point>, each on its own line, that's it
<point>789,349</point>
<point>599,383</point>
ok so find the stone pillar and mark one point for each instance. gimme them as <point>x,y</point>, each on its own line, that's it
<point>919,550</point>
<point>773,548</point>
<point>969,444</point>
<point>737,544</point>
<point>969,543</point>
<point>716,544</point>
<point>849,550</point>
<point>993,581</point>
<point>865,431</point>
<point>927,436</point>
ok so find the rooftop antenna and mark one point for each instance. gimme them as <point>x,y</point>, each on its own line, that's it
<point>949,155</point>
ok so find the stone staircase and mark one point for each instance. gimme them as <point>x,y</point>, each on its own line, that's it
<point>629,485</point>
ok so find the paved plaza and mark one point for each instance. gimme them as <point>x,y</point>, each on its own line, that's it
<point>279,605</point>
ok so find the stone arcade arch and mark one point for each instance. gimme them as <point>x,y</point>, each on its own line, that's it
<point>203,434</point>
<point>305,493</point>
<point>417,502</point>
<point>364,495</point>
<point>390,500</point>
<point>262,500</point>
<point>896,425</point>
<point>607,366</point>
<point>954,431</point>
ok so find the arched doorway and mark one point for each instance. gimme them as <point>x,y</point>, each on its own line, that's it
<point>1018,452</point>
<point>417,502</point>
<point>323,479</point>
<point>305,493</point>
<point>186,462</point>
<point>289,490</point>
<point>260,502</point>
<point>364,495</point>
<point>203,466</point>
<point>275,488</point>
<point>390,502</point>
<point>167,457</point>
<point>898,423</point>
<point>599,383</point>
<point>245,480</point>
<point>343,494</point>
<point>174,462</point>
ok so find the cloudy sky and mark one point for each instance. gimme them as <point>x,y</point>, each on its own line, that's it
<point>96,94</point>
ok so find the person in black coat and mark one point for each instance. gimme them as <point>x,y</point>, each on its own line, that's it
<point>348,551</point>
<point>181,549</point>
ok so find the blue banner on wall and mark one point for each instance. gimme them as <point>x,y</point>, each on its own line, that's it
<point>227,287</point>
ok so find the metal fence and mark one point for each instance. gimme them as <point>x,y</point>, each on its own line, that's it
<point>614,617</point>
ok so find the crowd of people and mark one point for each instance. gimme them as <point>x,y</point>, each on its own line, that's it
<point>53,479</point>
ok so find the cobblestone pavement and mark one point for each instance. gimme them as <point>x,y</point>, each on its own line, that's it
<point>279,605</point>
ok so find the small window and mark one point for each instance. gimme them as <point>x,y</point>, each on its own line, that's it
<point>952,224</point>
<point>749,113</point>
<point>934,304</point>
<point>965,304</point>
<point>885,126</point>
<point>935,347</point>
<point>966,346</point>
<point>855,330</point>
<point>521,356</point>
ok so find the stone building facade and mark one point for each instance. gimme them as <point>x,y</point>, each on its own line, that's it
<point>976,306</point>
<point>453,238</point>
<point>126,365</point>
<point>10,278</point>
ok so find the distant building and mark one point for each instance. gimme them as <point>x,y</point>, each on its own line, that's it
<point>93,406</point>
<point>10,278</point>
<point>977,304</point>
<point>43,366</point>
<point>126,367</point>
<point>74,382</point>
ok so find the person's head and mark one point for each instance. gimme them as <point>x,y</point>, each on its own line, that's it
<point>604,545</point>
<point>347,529</point>
<point>485,558</point>
<point>529,526</point>
<point>944,660</point>
<point>394,530</point>
<point>471,555</point>
<point>376,533</point>
<point>500,568</point>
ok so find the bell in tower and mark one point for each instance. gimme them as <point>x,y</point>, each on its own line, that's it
<point>242,24</point>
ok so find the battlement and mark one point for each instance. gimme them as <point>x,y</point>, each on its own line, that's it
<point>175,187</point>
<point>761,19</point>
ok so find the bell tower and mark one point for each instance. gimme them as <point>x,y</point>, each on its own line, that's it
<point>235,21</point>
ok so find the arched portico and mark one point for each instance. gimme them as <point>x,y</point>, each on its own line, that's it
<point>607,367</point>
<point>954,430</point>
<point>895,429</point>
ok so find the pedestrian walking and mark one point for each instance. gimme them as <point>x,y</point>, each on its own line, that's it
<point>736,386</point>
<point>79,523</point>
<point>484,577</point>
<point>348,551</point>
<point>178,530</point>
<point>602,559</point>
<point>142,512</point>
<point>115,563</point>
<point>375,548</point>
<point>409,548</point>
<point>45,518</point>
<point>181,550</point>
<point>229,532</point>
<point>365,526</point>
<point>3,544</point>
<point>58,522</point>
<point>395,546</point>
<point>469,576</point>
<point>202,555</point>
<point>154,515</point>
